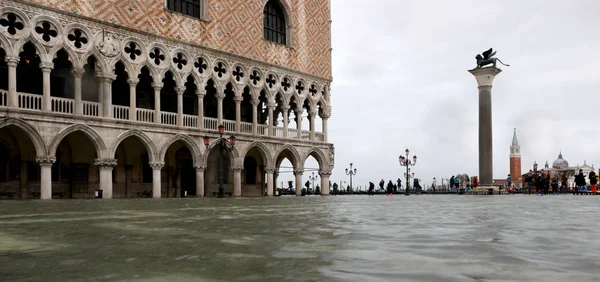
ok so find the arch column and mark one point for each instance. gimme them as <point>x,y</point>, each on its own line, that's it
<point>105,167</point>
<point>220,97</point>
<point>157,87</point>
<point>298,113</point>
<point>285,110</point>
<point>271,108</point>
<point>12,63</point>
<point>238,113</point>
<point>324,174</point>
<point>237,181</point>
<point>180,91</point>
<point>133,98</point>
<point>46,176</point>
<point>201,94</point>
<point>46,100</point>
<point>324,118</point>
<point>77,75</point>
<point>298,174</point>
<point>156,181</point>
<point>106,93</point>
<point>311,116</point>
<point>254,103</point>
<point>270,180</point>
<point>200,180</point>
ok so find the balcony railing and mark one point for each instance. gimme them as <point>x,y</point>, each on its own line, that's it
<point>190,121</point>
<point>30,101</point>
<point>145,115</point>
<point>3,98</point>
<point>121,112</point>
<point>67,106</point>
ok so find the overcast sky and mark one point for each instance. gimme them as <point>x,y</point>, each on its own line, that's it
<point>400,81</point>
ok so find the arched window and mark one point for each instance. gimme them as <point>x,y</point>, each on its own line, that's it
<point>274,22</point>
<point>192,8</point>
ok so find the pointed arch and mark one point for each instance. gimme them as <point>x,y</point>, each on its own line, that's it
<point>38,142</point>
<point>5,44</point>
<point>129,68</point>
<point>179,82</point>
<point>88,131</point>
<point>148,143</point>
<point>197,79</point>
<point>318,155</point>
<point>72,56</point>
<point>189,143</point>
<point>153,72</point>
<point>292,154</point>
<point>233,155</point>
<point>264,151</point>
<point>41,51</point>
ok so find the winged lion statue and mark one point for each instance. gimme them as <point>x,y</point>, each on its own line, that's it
<point>486,58</point>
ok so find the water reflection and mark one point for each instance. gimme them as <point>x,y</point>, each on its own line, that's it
<point>416,238</point>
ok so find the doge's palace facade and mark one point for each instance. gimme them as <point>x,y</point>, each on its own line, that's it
<point>120,96</point>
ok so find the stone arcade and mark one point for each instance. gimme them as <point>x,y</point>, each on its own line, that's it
<point>99,102</point>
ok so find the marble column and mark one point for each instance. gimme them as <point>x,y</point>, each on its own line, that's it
<point>298,174</point>
<point>254,116</point>
<point>180,91</point>
<point>324,120</point>
<point>324,174</point>
<point>312,115</point>
<point>105,167</point>
<point>286,110</point>
<point>156,181</point>
<point>46,99</point>
<point>299,122</point>
<point>201,93</point>
<point>270,180</point>
<point>133,98</point>
<point>485,78</point>
<point>200,180</point>
<point>100,94</point>
<point>238,113</point>
<point>157,87</point>
<point>77,75</point>
<point>237,181</point>
<point>45,164</point>
<point>220,98</point>
<point>271,126</point>
<point>12,63</point>
<point>107,93</point>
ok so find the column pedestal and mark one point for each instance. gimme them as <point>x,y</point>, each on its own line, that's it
<point>298,174</point>
<point>200,180</point>
<point>46,176</point>
<point>270,181</point>
<point>485,78</point>
<point>325,182</point>
<point>105,167</point>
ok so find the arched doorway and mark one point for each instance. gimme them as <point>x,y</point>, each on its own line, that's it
<point>211,176</point>
<point>179,167</point>
<point>313,181</point>
<point>74,174</point>
<point>287,170</point>
<point>133,174</point>
<point>19,171</point>
<point>253,173</point>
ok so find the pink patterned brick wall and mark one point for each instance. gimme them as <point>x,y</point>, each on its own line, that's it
<point>234,26</point>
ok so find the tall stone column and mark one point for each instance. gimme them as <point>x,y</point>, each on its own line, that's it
<point>157,87</point>
<point>311,116</point>
<point>286,110</point>
<point>298,114</point>
<point>46,176</point>
<point>237,181</point>
<point>100,94</point>
<point>325,174</point>
<point>200,180</point>
<point>107,93</point>
<point>298,174</point>
<point>201,93</point>
<point>156,181</point>
<point>254,116</point>
<point>485,78</point>
<point>105,167</point>
<point>270,181</point>
<point>271,129</point>
<point>12,62</point>
<point>133,98</point>
<point>180,91</point>
<point>238,113</point>
<point>46,100</point>
<point>220,98</point>
<point>77,75</point>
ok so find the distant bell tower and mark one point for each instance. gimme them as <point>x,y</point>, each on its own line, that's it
<point>515,161</point>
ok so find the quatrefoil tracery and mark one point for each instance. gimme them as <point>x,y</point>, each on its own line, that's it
<point>78,38</point>
<point>157,56</point>
<point>201,65</point>
<point>255,77</point>
<point>180,61</point>
<point>220,69</point>
<point>46,30</point>
<point>12,24</point>
<point>133,50</point>
<point>238,73</point>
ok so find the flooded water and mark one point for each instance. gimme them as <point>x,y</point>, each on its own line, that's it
<point>353,238</point>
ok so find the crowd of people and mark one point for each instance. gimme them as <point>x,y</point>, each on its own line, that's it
<point>546,184</point>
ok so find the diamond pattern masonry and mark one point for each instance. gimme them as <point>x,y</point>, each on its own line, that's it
<point>232,28</point>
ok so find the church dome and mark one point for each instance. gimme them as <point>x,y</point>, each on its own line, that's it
<point>560,162</point>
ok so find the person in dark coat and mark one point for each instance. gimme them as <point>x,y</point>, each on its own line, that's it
<point>593,181</point>
<point>390,188</point>
<point>580,181</point>
<point>371,188</point>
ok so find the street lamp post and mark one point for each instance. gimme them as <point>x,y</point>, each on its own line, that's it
<point>224,146</point>
<point>351,173</point>
<point>404,161</point>
<point>434,184</point>
<point>312,179</point>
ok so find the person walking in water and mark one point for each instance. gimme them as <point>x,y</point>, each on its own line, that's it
<point>580,181</point>
<point>371,188</point>
<point>593,181</point>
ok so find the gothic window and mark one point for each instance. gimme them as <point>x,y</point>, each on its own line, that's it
<point>190,8</point>
<point>274,22</point>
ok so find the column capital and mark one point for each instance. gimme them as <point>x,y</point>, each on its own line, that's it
<point>78,72</point>
<point>106,77</point>
<point>285,108</point>
<point>199,167</point>
<point>254,101</point>
<point>238,99</point>
<point>485,76</point>
<point>157,86</point>
<point>312,113</point>
<point>201,92</point>
<point>324,172</point>
<point>157,165</point>
<point>46,67</point>
<point>299,110</point>
<point>105,163</point>
<point>12,61</point>
<point>180,90</point>
<point>45,160</point>
<point>270,170</point>
<point>133,81</point>
<point>298,171</point>
<point>237,168</point>
<point>220,96</point>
